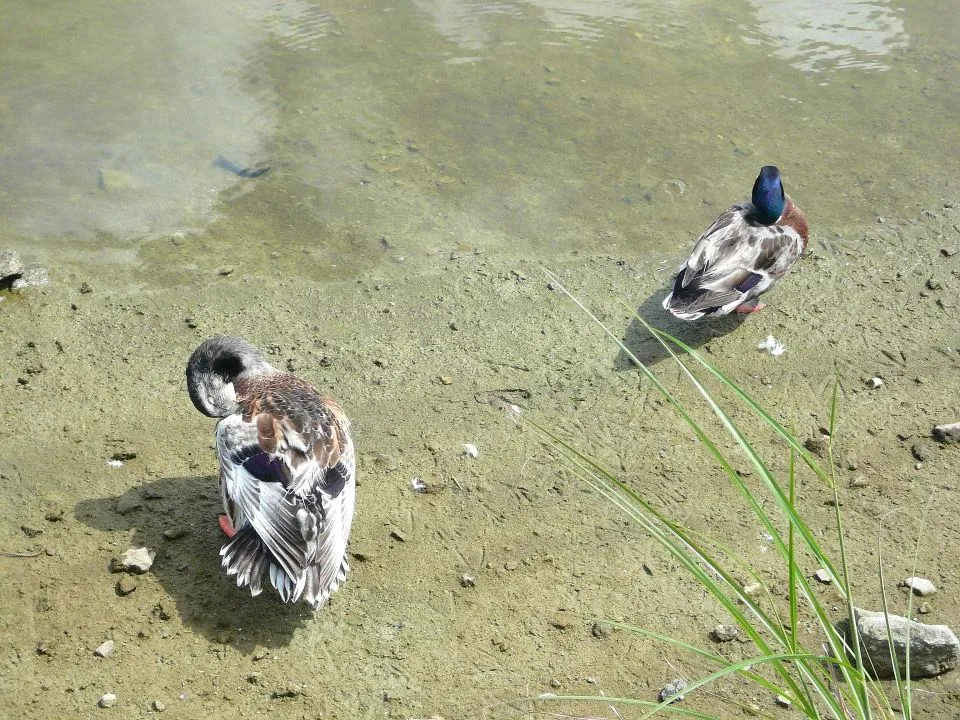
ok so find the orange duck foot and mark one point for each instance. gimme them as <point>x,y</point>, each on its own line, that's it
<point>227,527</point>
<point>750,307</point>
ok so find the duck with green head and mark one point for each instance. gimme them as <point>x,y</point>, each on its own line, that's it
<point>738,258</point>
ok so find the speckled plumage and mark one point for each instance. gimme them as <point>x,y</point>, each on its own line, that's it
<point>287,471</point>
<point>737,258</point>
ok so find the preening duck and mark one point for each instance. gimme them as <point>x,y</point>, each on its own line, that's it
<point>287,472</point>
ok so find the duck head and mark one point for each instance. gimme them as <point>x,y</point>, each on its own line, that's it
<point>768,197</point>
<point>213,369</point>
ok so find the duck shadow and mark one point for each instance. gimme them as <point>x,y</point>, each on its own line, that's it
<point>177,518</point>
<point>648,350</point>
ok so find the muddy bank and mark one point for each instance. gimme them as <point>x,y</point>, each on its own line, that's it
<point>416,356</point>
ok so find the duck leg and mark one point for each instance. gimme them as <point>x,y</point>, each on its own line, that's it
<point>227,527</point>
<point>751,306</point>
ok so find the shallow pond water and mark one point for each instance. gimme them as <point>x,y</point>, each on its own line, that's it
<point>371,191</point>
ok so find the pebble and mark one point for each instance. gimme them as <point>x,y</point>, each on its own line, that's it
<point>818,446</point>
<point>468,581</point>
<point>875,382</point>
<point>134,560</point>
<point>924,608</point>
<point>673,689</point>
<point>174,533</point>
<point>10,265</point>
<point>822,576</point>
<point>782,701</point>
<point>31,277</point>
<point>599,630</point>
<point>105,649</point>
<point>947,433</point>
<point>752,588</point>
<point>920,586</point>
<point>471,450</point>
<point>107,700</point>
<point>158,706</point>
<point>125,585</point>
<point>724,633</point>
<point>923,452</point>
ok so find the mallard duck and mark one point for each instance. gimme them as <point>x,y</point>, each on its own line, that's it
<point>287,472</point>
<point>749,247</point>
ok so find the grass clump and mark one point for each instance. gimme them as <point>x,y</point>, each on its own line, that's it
<point>829,680</point>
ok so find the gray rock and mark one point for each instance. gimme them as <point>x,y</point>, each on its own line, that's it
<point>107,700</point>
<point>11,265</point>
<point>673,690</point>
<point>822,576</point>
<point>923,452</point>
<point>105,649</point>
<point>947,433</point>
<point>934,649</point>
<point>134,560</point>
<point>920,586</point>
<point>31,277</point>
<point>724,633</point>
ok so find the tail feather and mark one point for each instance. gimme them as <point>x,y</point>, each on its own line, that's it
<point>320,583</point>
<point>248,558</point>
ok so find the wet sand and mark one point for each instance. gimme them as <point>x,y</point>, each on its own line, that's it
<point>416,358</point>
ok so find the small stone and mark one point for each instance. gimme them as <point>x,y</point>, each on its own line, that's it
<point>924,608</point>
<point>54,514</point>
<point>751,589</point>
<point>30,531</point>
<point>124,455</point>
<point>174,533</point>
<point>782,701</point>
<point>105,649</point>
<point>920,586</point>
<point>398,536</point>
<point>128,502</point>
<point>446,380</point>
<point>107,700</point>
<point>948,433</point>
<point>948,252</point>
<point>818,446</point>
<point>158,706</point>
<point>85,288</point>
<point>468,581</point>
<point>134,560</point>
<point>191,322</point>
<point>225,271</point>
<point>561,620</point>
<point>822,576</point>
<point>260,654</point>
<point>724,633</point>
<point>113,180</point>
<point>934,649</point>
<point>859,482</point>
<point>875,382</point>
<point>161,611</point>
<point>125,585</point>
<point>380,363</point>
<point>599,630</point>
<point>471,450</point>
<point>11,266</point>
<point>923,452</point>
<point>672,690</point>
<point>934,283</point>
<point>31,277</point>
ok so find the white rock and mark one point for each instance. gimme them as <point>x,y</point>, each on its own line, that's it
<point>106,649</point>
<point>772,346</point>
<point>782,701</point>
<point>470,450</point>
<point>822,576</point>
<point>920,586</point>
<point>875,382</point>
<point>947,433</point>
<point>107,700</point>
<point>135,560</point>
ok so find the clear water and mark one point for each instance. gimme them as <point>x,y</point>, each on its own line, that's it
<point>536,127</point>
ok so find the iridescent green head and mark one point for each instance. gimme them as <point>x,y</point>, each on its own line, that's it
<point>768,197</point>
